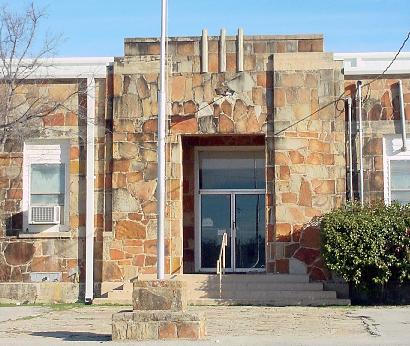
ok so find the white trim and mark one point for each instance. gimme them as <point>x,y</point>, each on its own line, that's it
<point>28,159</point>
<point>392,145</point>
<point>68,68</point>
<point>373,63</point>
<point>89,223</point>
<point>386,175</point>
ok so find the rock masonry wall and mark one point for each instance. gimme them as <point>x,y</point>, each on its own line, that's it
<point>381,117</point>
<point>22,254</point>
<point>284,80</point>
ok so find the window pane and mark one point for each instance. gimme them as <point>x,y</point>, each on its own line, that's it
<point>215,219</point>
<point>400,174</point>
<point>232,170</point>
<point>250,231</point>
<point>402,197</point>
<point>47,179</point>
<point>47,199</point>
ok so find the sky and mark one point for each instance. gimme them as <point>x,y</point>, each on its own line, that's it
<point>98,27</point>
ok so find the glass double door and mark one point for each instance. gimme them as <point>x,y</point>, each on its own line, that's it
<point>242,216</point>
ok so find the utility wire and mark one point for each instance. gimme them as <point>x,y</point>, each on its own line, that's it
<point>391,62</point>
<point>340,98</point>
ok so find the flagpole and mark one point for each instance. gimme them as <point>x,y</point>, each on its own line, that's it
<point>161,193</point>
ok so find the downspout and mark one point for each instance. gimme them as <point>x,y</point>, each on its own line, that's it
<point>402,117</point>
<point>161,192</point>
<point>349,115</point>
<point>89,216</point>
<point>359,99</point>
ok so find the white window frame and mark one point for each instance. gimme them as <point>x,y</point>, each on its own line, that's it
<point>45,152</point>
<point>392,151</point>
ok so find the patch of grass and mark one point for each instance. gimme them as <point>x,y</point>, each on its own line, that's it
<point>54,307</point>
<point>6,305</point>
<point>64,306</point>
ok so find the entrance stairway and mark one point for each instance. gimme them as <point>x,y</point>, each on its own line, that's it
<point>238,289</point>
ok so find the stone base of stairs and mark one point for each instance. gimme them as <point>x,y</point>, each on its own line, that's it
<point>238,289</point>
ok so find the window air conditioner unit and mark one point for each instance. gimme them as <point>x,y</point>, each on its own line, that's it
<point>44,215</point>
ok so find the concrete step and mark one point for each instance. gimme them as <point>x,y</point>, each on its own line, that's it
<point>120,294</point>
<point>212,280</point>
<point>240,278</point>
<point>257,286</point>
<point>228,285</point>
<point>272,302</point>
<point>282,301</point>
<point>238,294</point>
<point>113,286</point>
<point>265,295</point>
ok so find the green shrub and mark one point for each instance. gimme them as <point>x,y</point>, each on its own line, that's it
<point>368,246</point>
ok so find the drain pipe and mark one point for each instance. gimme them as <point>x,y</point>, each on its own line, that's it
<point>403,117</point>
<point>89,214</point>
<point>359,98</point>
<point>161,188</point>
<point>349,115</point>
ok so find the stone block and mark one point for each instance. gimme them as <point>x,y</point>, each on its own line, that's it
<point>41,292</point>
<point>315,45</point>
<point>143,190</point>
<point>167,330</point>
<point>282,266</point>
<point>296,266</point>
<point>126,229</point>
<point>153,325</point>
<point>159,295</point>
<point>123,201</point>
<point>66,248</point>
<point>19,253</point>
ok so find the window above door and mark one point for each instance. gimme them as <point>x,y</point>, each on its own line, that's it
<point>225,169</point>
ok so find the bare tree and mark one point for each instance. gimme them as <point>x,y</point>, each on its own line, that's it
<point>23,103</point>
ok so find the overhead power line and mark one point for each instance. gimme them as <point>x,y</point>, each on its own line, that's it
<point>340,98</point>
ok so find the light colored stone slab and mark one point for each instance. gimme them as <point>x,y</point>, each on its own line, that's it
<point>159,295</point>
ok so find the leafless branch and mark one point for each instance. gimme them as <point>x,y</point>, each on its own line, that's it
<point>25,101</point>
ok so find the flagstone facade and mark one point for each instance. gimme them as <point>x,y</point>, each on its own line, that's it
<point>25,253</point>
<point>381,121</point>
<point>284,80</point>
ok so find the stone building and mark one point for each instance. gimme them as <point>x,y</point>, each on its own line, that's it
<point>256,147</point>
<point>48,172</point>
<point>385,157</point>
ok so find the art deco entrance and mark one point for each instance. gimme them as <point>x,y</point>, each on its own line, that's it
<point>231,199</point>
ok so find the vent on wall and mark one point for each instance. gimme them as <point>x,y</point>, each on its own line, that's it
<point>45,277</point>
<point>43,215</point>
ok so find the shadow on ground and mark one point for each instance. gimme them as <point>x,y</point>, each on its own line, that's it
<point>74,336</point>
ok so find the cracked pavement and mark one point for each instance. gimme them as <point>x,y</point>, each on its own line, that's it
<point>233,325</point>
